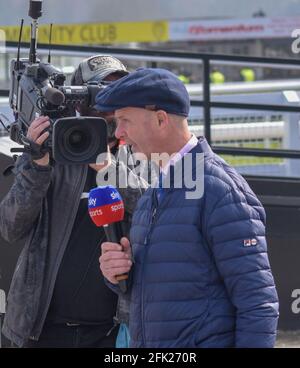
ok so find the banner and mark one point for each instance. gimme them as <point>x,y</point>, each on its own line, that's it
<point>94,33</point>
<point>160,31</point>
<point>232,29</point>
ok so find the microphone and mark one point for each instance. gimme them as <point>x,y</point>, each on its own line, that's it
<point>106,208</point>
<point>35,9</point>
<point>53,95</point>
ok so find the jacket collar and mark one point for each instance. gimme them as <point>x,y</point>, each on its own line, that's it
<point>179,169</point>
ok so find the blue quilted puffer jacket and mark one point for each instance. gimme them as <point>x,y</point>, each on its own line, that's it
<point>201,275</point>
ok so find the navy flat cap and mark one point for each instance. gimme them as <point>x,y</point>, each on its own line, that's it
<point>152,89</point>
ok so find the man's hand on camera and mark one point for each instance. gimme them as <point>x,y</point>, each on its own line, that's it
<point>36,134</point>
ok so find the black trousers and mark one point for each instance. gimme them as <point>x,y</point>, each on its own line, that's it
<point>78,336</point>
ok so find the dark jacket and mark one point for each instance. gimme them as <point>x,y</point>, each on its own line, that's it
<point>28,212</point>
<point>201,276</point>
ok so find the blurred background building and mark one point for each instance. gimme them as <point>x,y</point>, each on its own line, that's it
<point>257,28</point>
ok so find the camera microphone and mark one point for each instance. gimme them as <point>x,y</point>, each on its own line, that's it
<point>106,208</point>
<point>35,9</point>
<point>53,95</point>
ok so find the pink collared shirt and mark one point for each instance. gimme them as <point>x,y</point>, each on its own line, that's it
<point>179,155</point>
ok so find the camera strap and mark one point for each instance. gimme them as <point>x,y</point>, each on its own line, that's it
<point>35,150</point>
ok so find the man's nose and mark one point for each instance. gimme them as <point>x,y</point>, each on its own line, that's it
<point>119,133</point>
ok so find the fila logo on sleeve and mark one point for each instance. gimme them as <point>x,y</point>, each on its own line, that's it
<point>250,242</point>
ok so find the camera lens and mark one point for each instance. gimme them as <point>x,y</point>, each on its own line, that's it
<point>77,140</point>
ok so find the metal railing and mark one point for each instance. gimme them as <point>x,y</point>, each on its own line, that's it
<point>206,60</point>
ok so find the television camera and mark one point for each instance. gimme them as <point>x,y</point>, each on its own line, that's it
<point>37,88</point>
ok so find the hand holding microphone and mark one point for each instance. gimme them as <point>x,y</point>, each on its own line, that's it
<point>115,261</point>
<point>106,209</point>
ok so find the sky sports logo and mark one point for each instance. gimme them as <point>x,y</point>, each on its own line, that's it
<point>112,208</point>
<point>92,202</point>
<point>117,207</point>
<point>96,212</point>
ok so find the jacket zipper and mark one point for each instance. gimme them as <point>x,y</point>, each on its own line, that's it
<point>147,238</point>
<point>52,282</point>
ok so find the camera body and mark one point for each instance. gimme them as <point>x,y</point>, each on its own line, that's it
<point>38,89</point>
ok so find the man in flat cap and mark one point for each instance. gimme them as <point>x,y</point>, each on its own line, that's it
<point>200,275</point>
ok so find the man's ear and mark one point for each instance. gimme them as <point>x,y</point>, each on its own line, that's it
<point>162,118</point>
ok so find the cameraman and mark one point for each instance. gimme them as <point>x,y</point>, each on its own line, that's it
<point>57,296</point>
